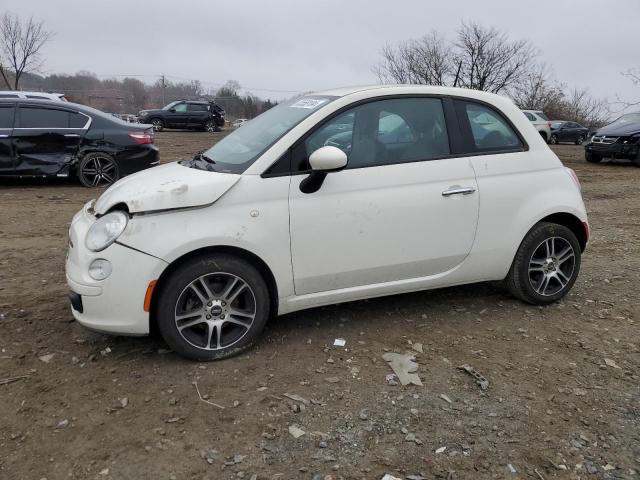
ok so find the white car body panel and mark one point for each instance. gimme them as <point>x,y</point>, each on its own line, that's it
<point>367,232</point>
<point>165,187</point>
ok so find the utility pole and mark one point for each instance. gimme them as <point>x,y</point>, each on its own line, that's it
<point>164,85</point>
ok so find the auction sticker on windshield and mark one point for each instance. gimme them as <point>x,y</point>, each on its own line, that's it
<point>309,103</point>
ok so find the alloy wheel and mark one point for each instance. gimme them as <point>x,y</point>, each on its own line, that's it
<point>551,266</point>
<point>215,311</point>
<point>157,125</point>
<point>210,127</point>
<point>99,171</point>
<point>553,140</point>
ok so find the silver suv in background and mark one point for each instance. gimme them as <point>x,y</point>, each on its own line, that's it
<point>540,121</point>
<point>33,95</point>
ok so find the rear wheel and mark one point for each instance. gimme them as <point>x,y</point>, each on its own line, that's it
<point>546,265</point>
<point>212,307</point>
<point>580,140</point>
<point>592,157</point>
<point>98,170</point>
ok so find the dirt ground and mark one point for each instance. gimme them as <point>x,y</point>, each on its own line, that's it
<point>563,399</point>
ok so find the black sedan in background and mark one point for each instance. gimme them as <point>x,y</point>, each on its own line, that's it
<point>41,138</point>
<point>563,131</point>
<point>619,139</point>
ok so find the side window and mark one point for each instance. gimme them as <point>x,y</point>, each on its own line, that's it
<point>43,118</point>
<point>6,116</point>
<point>181,107</point>
<point>77,120</point>
<point>198,107</point>
<point>385,132</point>
<point>9,95</point>
<point>529,116</point>
<point>488,129</point>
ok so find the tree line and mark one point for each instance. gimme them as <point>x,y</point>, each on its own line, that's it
<point>485,58</point>
<point>478,57</point>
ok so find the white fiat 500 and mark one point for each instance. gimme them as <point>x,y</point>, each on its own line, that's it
<point>331,197</point>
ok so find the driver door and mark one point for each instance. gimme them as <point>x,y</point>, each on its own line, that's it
<point>178,116</point>
<point>390,214</point>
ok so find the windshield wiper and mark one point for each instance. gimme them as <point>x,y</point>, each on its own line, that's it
<point>202,156</point>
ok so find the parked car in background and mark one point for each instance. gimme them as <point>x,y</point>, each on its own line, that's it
<point>185,114</point>
<point>33,95</point>
<point>619,139</point>
<point>44,138</point>
<point>564,131</point>
<point>239,122</point>
<point>540,121</point>
<point>433,187</point>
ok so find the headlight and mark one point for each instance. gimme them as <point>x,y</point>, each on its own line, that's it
<point>105,231</point>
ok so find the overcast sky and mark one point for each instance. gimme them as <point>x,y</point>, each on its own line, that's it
<point>277,47</point>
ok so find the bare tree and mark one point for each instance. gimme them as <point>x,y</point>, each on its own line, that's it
<point>488,60</point>
<point>632,74</point>
<point>426,60</point>
<point>581,107</point>
<point>537,90</point>
<point>481,58</point>
<point>20,45</point>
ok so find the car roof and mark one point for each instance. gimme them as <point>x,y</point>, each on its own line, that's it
<point>406,89</point>
<point>43,102</point>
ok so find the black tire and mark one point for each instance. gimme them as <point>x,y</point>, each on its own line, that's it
<point>210,126</point>
<point>98,169</point>
<point>158,124</point>
<point>580,140</point>
<point>560,275</point>
<point>553,139</point>
<point>592,157</point>
<point>636,161</point>
<point>177,294</point>
<point>544,136</point>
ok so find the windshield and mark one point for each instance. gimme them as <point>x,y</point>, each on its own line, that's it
<point>238,150</point>
<point>167,107</point>
<point>557,124</point>
<point>627,119</point>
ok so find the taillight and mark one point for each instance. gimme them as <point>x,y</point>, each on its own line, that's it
<point>549,124</point>
<point>142,137</point>
<point>573,175</point>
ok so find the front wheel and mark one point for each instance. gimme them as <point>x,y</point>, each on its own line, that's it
<point>580,140</point>
<point>553,140</point>
<point>158,125</point>
<point>98,170</point>
<point>546,265</point>
<point>592,157</point>
<point>212,307</point>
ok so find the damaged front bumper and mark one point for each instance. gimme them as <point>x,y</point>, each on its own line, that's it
<point>116,303</point>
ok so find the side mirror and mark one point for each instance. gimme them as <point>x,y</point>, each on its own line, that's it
<point>328,159</point>
<point>324,160</point>
<point>172,110</point>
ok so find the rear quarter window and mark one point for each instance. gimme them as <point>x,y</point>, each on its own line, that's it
<point>485,129</point>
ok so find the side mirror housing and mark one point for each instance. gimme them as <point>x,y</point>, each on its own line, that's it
<point>324,160</point>
<point>328,159</point>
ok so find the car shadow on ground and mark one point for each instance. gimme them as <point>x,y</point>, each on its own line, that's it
<point>320,322</point>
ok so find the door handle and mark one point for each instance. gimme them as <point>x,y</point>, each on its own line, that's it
<point>71,135</point>
<point>458,191</point>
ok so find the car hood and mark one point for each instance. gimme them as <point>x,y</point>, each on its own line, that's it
<point>619,130</point>
<point>147,112</point>
<point>166,187</point>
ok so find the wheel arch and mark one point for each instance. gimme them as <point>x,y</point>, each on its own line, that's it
<point>250,257</point>
<point>572,222</point>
